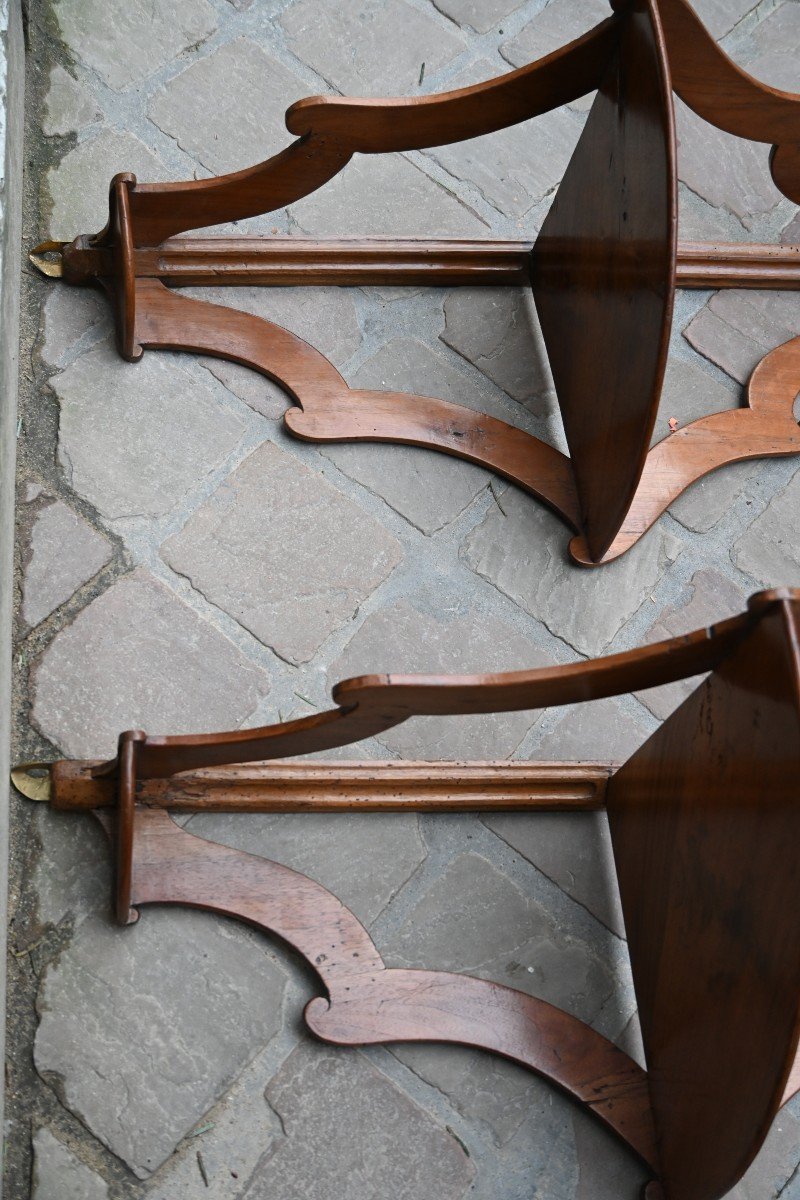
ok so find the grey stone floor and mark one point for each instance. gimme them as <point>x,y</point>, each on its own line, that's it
<point>185,565</point>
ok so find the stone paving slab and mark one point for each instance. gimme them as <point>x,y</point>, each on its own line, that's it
<point>185,565</point>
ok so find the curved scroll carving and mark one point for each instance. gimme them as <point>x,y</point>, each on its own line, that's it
<point>403,123</point>
<point>371,704</point>
<point>160,210</point>
<point>332,412</point>
<point>369,1003</point>
<point>765,426</point>
<point>723,94</point>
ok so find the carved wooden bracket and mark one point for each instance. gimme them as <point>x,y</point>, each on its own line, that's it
<point>705,823</point>
<point>603,269</point>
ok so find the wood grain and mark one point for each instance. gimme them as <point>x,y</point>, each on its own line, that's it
<point>705,824</point>
<point>765,425</point>
<point>348,786</point>
<point>604,276</point>
<point>331,411</point>
<point>370,704</point>
<point>367,1003</point>
<point>719,91</point>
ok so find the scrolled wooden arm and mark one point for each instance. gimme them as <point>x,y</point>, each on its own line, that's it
<point>403,123</point>
<point>371,704</point>
<point>723,94</point>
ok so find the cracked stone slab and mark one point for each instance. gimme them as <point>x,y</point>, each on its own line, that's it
<point>134,440</point>
<point>372,48</point>
<point>143,36</point>
<point>139,658</point>
<point>142,1030</point>
<point>69,107</point>
<point>514,550</point>
<point>480,15</point>
<point>59,1175</point>
<point>325,317</point>
<point>737,328</point>
<point>721,16</point>
<point>283,552</point>
<point>572,849</point>
<point>427,487</point>
<point>71,315</point>
<point>709,597</point>
<point>227,109</point>
<point>379,192</point>
<point>515,168</point>
<point>62,552</point>
<point>769,549</point>
<point>475,920</point>
<point>726,171</point>
<point>363,858</point>
<point>352,1133</point>
<point>497,330</point>
<point>76,189</point>
<point>440,639</point>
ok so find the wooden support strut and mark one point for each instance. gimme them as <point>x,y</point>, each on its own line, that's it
<point>396,262</point>
<point>746,715</point>
<point>613,237</point>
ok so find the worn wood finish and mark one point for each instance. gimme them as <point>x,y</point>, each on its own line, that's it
<point>726,264</point>
<point>604,268</point>
<point>377,262</point>
<point>333,129</point>
<point>435,1006</point>
<point>705,821</point>
<point>368,1003</point>
<point>766,425</point>
<point>363,262</point>
<point>348,786</point>
<point>705,824</point>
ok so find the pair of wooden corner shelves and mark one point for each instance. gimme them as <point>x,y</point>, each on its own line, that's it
<point>705,818</point>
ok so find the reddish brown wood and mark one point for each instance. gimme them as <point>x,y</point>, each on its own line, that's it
<point>348,786</point>
<point>291,262</point>
<point>435,1006</point>
<point>379,261</point>
<point>367,1003</point>
<point>371,704</point>
<point>765,425</point>
<point>726,264</point>
<point>705,823</point>
<point>400,123</point>
<point>604,277</point>
<point>722,93</point>
<point>330,411</point>
<point>604,268</point>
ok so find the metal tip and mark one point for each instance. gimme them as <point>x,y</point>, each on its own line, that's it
<point>32,779</point>
<point>52,267</point>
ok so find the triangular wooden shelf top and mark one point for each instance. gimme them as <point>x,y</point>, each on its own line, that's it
<point>705,825</point>
<point>603,270</point>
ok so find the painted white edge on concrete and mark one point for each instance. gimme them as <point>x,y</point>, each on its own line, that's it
<point>12,93</point>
